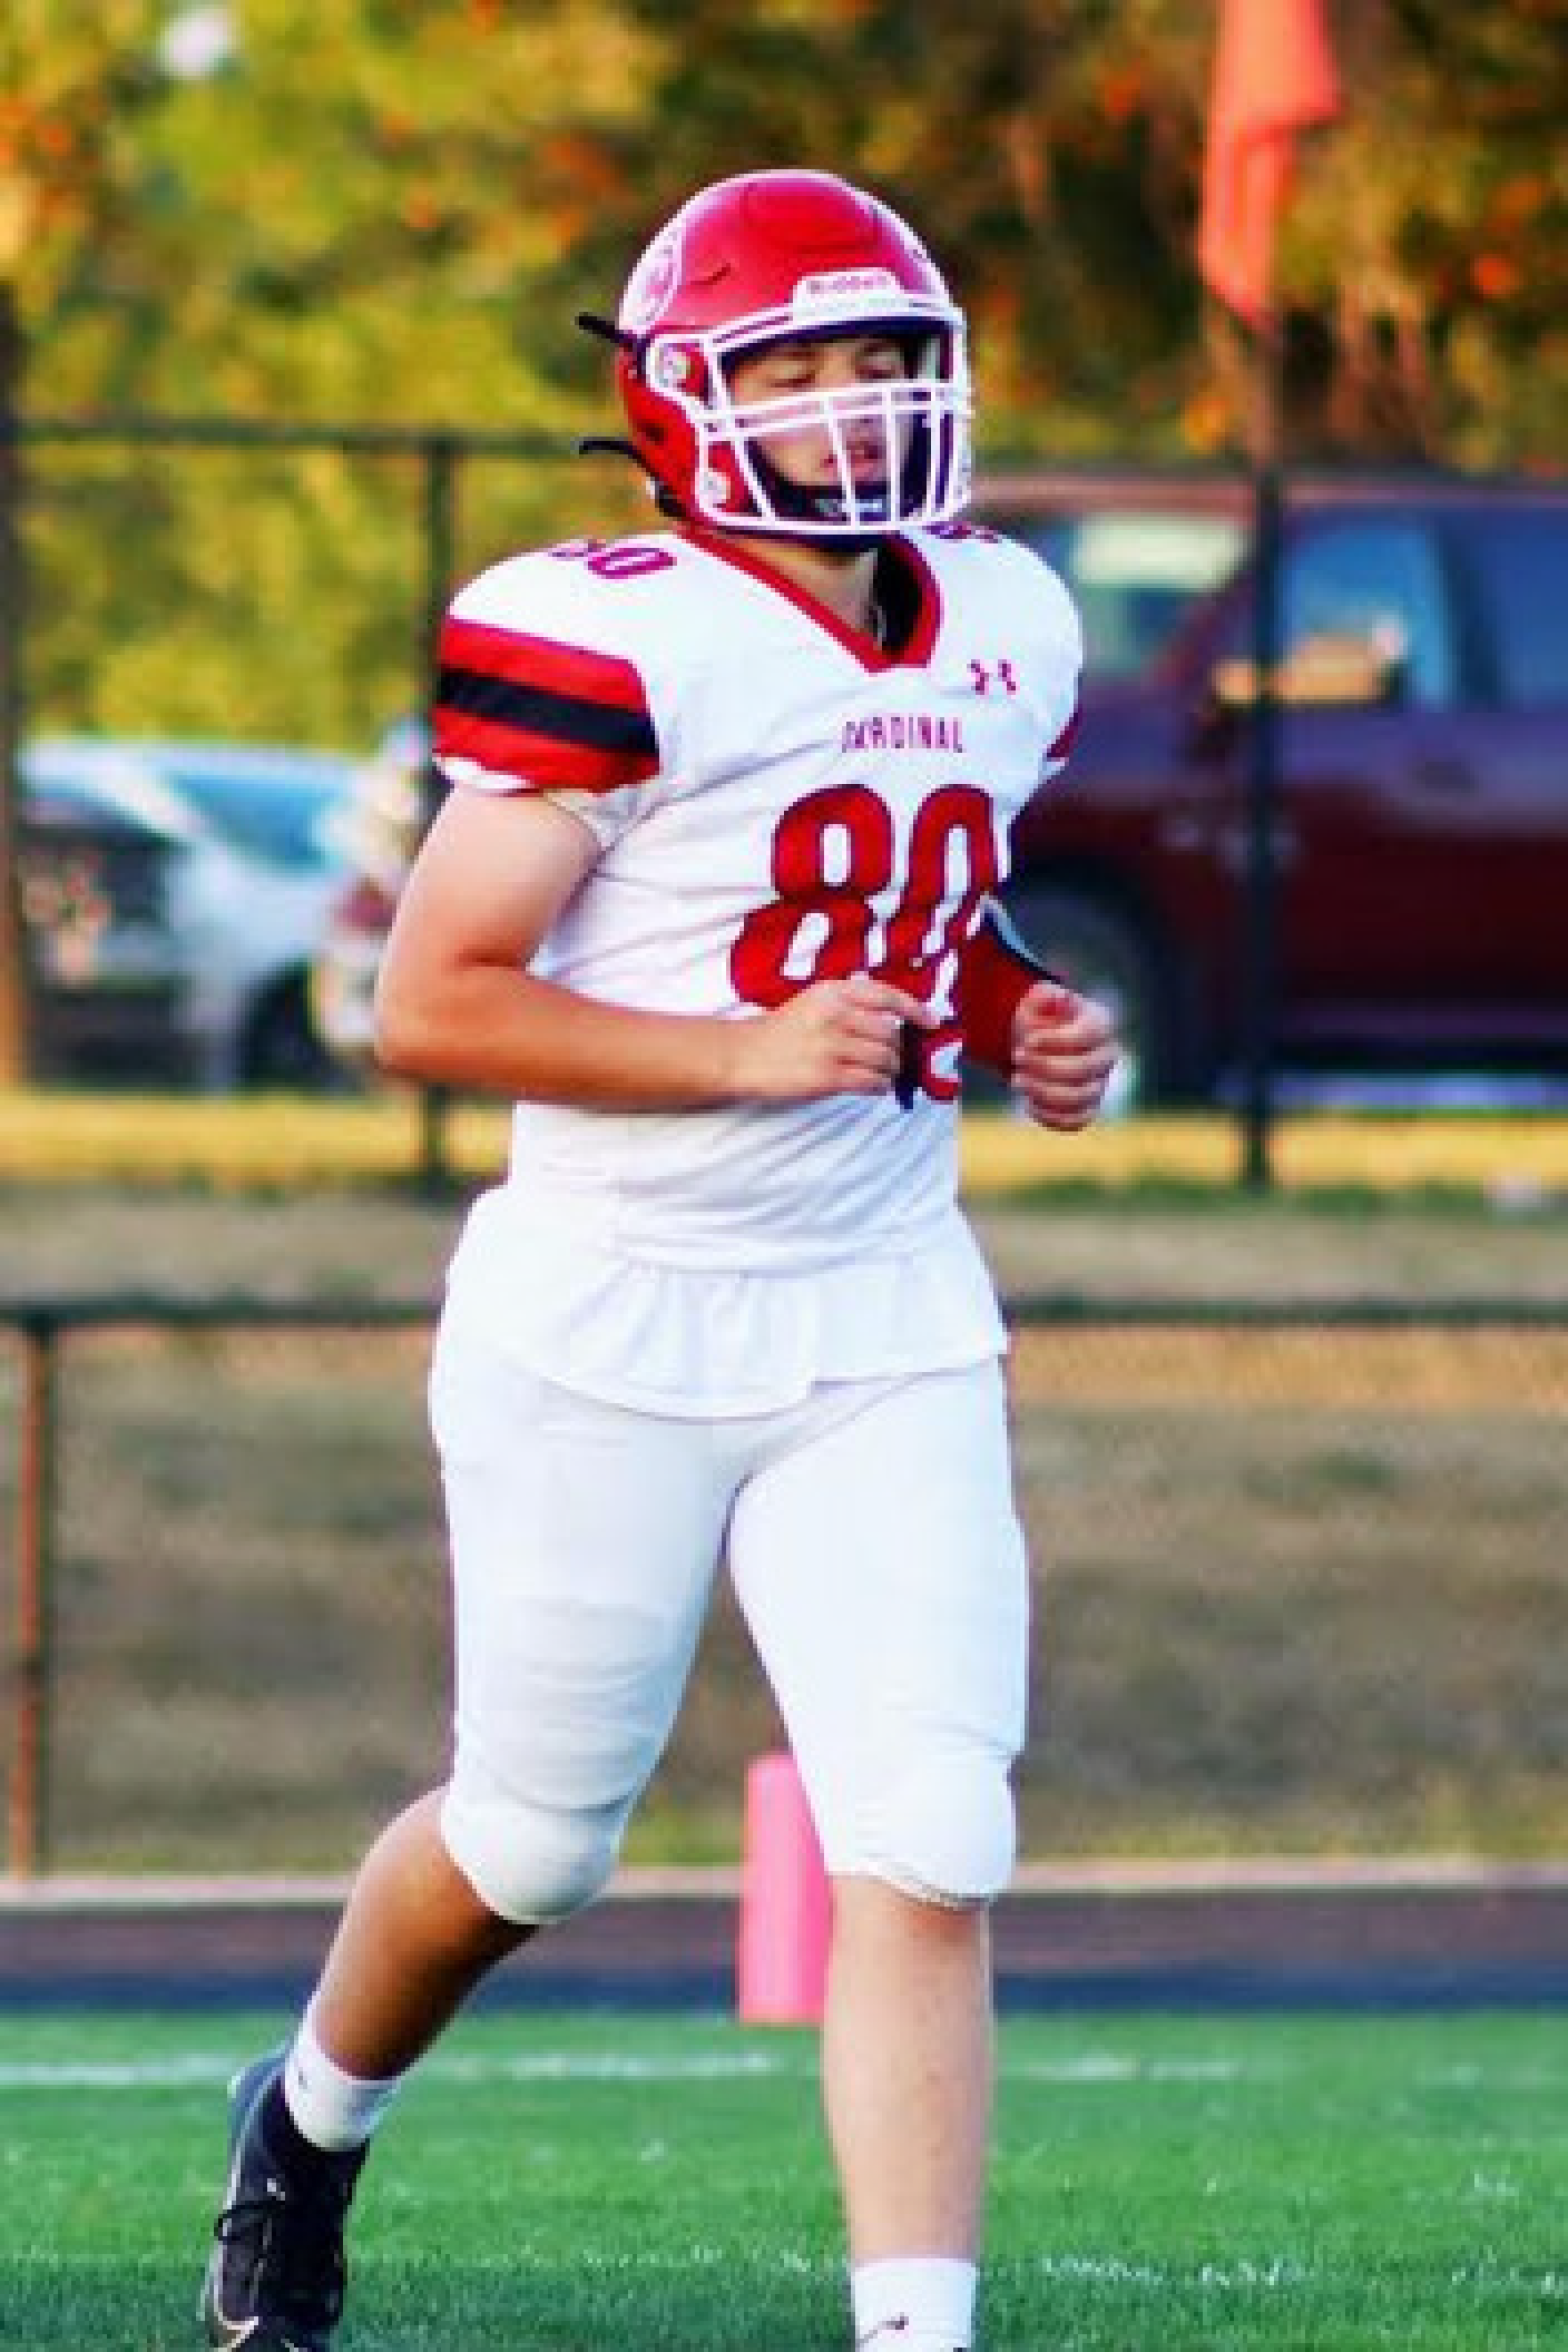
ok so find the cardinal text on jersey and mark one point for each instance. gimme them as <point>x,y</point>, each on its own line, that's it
<point>902,730</point>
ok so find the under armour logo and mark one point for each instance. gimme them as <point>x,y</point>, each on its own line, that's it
<point>981,675</point>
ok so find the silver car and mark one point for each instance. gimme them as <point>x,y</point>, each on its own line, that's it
<point>208,973</point>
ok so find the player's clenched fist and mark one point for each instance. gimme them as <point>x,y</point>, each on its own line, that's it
<point>837,1037</point>
<point>1064,1051</point>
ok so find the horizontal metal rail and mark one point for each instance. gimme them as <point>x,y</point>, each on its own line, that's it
<point>116,1309</point>
<point>262,432</point>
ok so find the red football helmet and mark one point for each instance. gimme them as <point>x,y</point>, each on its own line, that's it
<point>775,254</point>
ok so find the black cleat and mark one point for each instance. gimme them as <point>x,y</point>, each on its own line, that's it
<point>275,2280</point>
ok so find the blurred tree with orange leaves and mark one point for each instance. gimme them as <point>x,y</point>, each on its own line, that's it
<point>383,210</point>
<point>393,213</point>
<point>1051,149</point>
<point>397,211</point>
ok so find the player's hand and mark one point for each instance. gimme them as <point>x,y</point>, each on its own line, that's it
<point>1064,1051</point>
<point>837,1037</point>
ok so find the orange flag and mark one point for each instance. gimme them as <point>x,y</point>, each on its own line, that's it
<point>1273,77</point>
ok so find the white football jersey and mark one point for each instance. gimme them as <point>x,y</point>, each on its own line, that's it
<point>777,800</point>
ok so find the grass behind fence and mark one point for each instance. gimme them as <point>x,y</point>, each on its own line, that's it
<point>1299,1590</point>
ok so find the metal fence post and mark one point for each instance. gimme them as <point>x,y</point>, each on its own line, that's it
<point>440,469</point>
<point>15,980</point>
<point>28,1810</point>
<point>1260,888</point>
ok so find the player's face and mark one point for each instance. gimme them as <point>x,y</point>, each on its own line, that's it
<point>802,447</point>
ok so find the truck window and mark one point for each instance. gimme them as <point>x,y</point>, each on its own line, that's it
<point>1376,582</point>
<point>1135,574</point>
<point>1522,568</point>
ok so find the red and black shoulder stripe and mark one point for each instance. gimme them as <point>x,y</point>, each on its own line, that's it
<point>550,715</point>
<point>1061,749</point>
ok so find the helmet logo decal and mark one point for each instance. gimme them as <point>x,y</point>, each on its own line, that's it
<point>654,281</point>
<point>844,289</point>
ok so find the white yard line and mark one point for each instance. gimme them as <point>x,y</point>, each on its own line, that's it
<point>200,2069</point>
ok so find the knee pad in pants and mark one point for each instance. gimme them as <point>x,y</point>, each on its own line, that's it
<point>528,1863</point>
<point>946,1830</point>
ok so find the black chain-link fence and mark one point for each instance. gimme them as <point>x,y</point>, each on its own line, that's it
<point>1302,1582</point>
<point>280,581</point>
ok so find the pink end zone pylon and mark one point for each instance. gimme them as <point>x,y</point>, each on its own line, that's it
<point>781,1973</point>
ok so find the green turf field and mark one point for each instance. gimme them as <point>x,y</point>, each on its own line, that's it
<point>607,2184</point>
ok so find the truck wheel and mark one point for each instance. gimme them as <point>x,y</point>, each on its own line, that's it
<point>1103,953</point>
<point>282,1052</point>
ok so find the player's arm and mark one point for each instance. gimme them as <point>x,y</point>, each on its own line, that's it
<point>457,1006</point>
<point>996,970</point>
<point>1055,1048</point>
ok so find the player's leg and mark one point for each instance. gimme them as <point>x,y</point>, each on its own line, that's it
<point>414,1940</point>
<point>881,1569</point>
<point>582,1541</point>
<point>907,2069</point>
<point>907,2073</point>
<point>583,1544</point>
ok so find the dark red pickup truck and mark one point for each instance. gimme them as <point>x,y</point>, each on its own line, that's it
<point>1422,812</point>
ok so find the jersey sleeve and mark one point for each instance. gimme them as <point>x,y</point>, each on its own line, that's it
<point>1059,751</point>
<point>525,702</point>
<point>1059,659</point>
<point>996,970</point>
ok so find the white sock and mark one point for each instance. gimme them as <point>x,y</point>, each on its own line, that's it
<point>334,2110</point>
<point>923,2304</point>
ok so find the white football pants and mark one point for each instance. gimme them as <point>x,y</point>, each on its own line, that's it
<point>876,1558</point>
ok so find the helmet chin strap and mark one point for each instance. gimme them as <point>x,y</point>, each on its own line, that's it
<point>788,498</point>
<point>843,550</point>
<point>792,503</point>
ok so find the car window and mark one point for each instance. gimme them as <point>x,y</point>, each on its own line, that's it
<point>276,812</point>
<point>1376,583</point>
<point>1134,575</point>
<point>118,794</point>
<point>1522,566</point>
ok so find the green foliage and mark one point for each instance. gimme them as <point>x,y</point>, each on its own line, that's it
<point>73,80</point>
<point>392,214</point>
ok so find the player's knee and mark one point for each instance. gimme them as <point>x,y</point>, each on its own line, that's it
<point>526,1863</point>
<point>948,1831</point>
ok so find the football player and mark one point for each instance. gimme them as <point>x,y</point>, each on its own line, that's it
<point>710,900</point>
